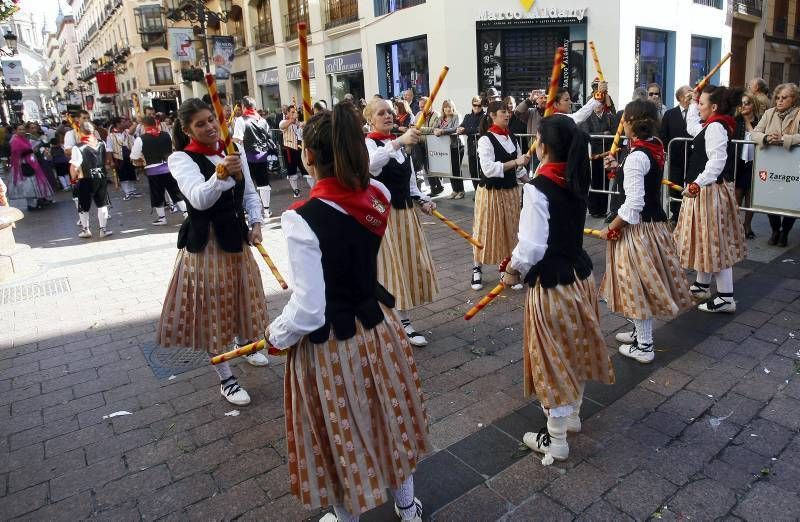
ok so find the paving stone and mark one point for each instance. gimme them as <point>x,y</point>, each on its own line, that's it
<point>620,456</point>
<point>20,423</point>
<point>480,503</point>
<point>142,418</point>
<point>177,495</point>
<point>446,404</point>
<point>580,487</point>
<point>703,500</point>
<point>602,511</point>
<point>735,332</point>
<point>752,318</point>
<point>522,479</point>
<point>772,333</point>
<point>132,486</point>
<point>666,423</point>
<point>76,507</point>
<point>727,475</point>
<point>692,363</point>
<point>20,394</point>
<point>37,470</point>
<point>737,409</point>
<point>744,459</point>
<point>715,348</point>
<point>77,439</point>
<point>274,482</point>
<point>784,411</point>
<point>229,504</point>
<point>687,404</point>
<point>70,407</point>
<point>68,380</point>
<point>677,462</point>
<point>491,407</point>
<point>128,512</point>
<point>452,429</point>
<point>245,466</point>
<point>285,508</point>
<point>649,438</point>
<point>201,460</point>
<point>259,436</point>
<point>86,478</point>
<point>488,451</point>
<point>24,501</point>
<point>785,475</point>
<point>666,382</point>
<point>640,494</point>
<point>539,507</point>
<point>767,502</point>
<point>764,437</point>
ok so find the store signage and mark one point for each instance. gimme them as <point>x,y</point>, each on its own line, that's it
<point>14,72</point>
<point>537,13</point>
<point>180,44</point>
<point>267,77</point>
<point>438,148</point>
<point>343,63</point>
<point>293,71</point>
<point>776,185</point>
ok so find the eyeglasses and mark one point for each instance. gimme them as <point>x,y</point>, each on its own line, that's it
<point>477,105</point>
<point>652,94</point>
<point>747,102</point>
<point>784,97</point>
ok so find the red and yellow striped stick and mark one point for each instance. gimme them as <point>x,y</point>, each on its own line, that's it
<point>272,267</point>
<point>497,290</point>
<point>75,127</point>
<point>248,350</point>
<point>223,124</point>
<point>233,115</point>
<point>597,95</point>
<point>673,186</point>
<point>699,87</point>
<point>550,106</point>
<point>434,92</point>
<point>613,235</point>
<point>305,78</point>
<point>617,138</point>
<point>457,229</point>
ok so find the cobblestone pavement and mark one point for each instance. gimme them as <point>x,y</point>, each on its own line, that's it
<point>710,430</point>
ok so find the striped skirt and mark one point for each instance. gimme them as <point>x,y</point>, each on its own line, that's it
<point>563,344</point>
<point>709,233</point>
<point>643,277</point>
<point>213,297</point>
<point>496,223</point>
<point>355,419</point>
<point>405,265</point>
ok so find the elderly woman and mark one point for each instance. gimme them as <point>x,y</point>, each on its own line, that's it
<point>780,125</point>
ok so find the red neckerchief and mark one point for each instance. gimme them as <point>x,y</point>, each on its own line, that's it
<point>369,207</point>
<point>499,130</point>
<point>655,147</point>
<point>251,113</point>
<point>402,119</point>
<point>727,122</point>
<point>195,146</point>
<point>380,136</point>
<point>86,138</point>
<point>153,131</point>
<point>555,172</point>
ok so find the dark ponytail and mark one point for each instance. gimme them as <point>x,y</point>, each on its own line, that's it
<point>566,143</point>
<point>338,144</point>
<point>486,120</point>
<point>643,117</point>
<point>725,98</point>
<point>186,112</point>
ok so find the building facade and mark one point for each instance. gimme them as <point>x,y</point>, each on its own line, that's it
<point>781,42</point>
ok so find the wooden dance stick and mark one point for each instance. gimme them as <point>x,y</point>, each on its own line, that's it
<point>305,78</point>
<point>597,95</point>
<point>75,127</point>
<point>457,229</point>
<point>233,115</point>
<point>497,290</point>
<point>699,87</point>
<point>223,126</point>
<point>248,350</point>
<point>429,103</point>
<point>673,186</point>
<point>617,138</point>
<point>550,106</point>
<point>613,235</point>
<point>272,267</point>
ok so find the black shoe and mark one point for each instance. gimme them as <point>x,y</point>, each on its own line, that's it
<point>784,239</point>
<point>296,193</point>
<point>436,191</point>
<point>774,238</point>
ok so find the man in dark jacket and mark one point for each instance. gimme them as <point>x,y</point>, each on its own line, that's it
<point>673,125</point>
<point>470,126</point>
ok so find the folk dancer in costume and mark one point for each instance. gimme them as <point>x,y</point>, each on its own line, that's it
<point>119,144</point>
<point>151,151</point>
<point>292,140</point>
<point>251,132</point>
<point>215,295</point>
<point>88,167</point>
<point>709,234</point>
<point>643,277</point>
<point>405,265</point>
<point>498,195</point>
<point>563,344</point>
<point>352,429</point>
<point>28,181</point>
<point>70,140</point>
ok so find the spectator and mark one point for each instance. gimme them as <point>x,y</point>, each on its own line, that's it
<point>758,87</point>
<point>470,126</point>
<point>320,106</point>
<point>403,116</point>
<point>599,122</point>
<point>780,125</point>
<point>448,126</point>
<point>747,116</point>
<point>492,94</point>
<point>531,110</point>
<point>408,96</point>
<point>654,95</point>
<point>673,125</point>
<point>419,155</point>
<point>515,124</point>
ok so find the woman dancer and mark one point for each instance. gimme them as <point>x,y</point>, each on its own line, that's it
<point>405,266</point>
<point>28,181</point>
<point>215,295</point>
<point>563,343</point>
<point>353,429</point>
<point>497,196</point>
<point>709,234</point>
<point>292,139</point>
<point>643,276</point>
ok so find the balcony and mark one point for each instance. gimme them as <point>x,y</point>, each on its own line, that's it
<point>340,12</point>
<point>290,21</point>
<point>263,34</point>
<point>383,7</point>
<point>748,7</point>
<point>717,4</point>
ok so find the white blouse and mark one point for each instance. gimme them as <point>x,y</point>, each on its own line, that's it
<point>584,112</point>
<point>716,139</point>
<point>490,167</point>
<point>534,230</point>
<point>305,311</point>
<point>203,193</point>
<point>380,156</point>
<point>637,165</point>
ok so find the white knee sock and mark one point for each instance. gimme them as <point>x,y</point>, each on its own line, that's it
<point>181,206</point>
<point>102,216</point>
<point>725,281</point>
<point>644,330</point>
<point>704,278</point>
<point>404,498</point>
<point>160,212</point>
<point>343,515</point>
<point>126,187</point>
<point>402,314</point>
<point>264,193</point>
<point>293,181</point>
<point>84,217</point>
<point>77,206</point>
<point>223,369</point>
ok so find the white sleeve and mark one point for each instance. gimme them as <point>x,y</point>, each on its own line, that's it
<point>534,229</point>
<point>522,170</point>
<point>693,125</point>
<point>305,311</point>
<point>76,158</point>
<point>238,129</point>
<point>252,201</point>
<point>717,152</point>
<point>202,193</point>
<point>584,112</point>
<point>110,142</point>
<point>490,167</point>
<point>378,156</point>
<point>136,150</point>
<point>636,166</point>
<point>69,140</point>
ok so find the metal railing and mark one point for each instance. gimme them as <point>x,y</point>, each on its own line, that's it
<point>748,7</point>
<point>290,21</point>
<point>264,35</point>
<point>340,12</point>
<point>710,3</point>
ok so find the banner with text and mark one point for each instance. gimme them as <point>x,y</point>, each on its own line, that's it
<point>776,180</point>
<point>439,156</point>
<point>181,47</point>
<point>222,55</point>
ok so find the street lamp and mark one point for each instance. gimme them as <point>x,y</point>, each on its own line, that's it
<point>11,43</point>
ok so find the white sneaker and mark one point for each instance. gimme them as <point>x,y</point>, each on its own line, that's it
<point>85,233</point>
<point>257,359</point>
<point>267,212</point>
<point>105,233</point>
<point>551,440</point>
<point>518,286</point>
<point>414,338</point>
<point>417,517</point>
<point>233,393</point>
<point>641,352</point>
<point>719,305</point>
<point>700,292</point>
<point>626,337</point>
<point>477,279</point>
<point>329,517</point>
<point>160,222</point>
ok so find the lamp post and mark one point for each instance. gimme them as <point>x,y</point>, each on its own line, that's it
<point>11,43</point>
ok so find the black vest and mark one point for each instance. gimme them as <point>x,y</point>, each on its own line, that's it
<point>565,255</point>
<point>156,149</point>
<point>397,176</point>
<point>350,269</point>
<point>509,179</point>
<point>698,159</point>
<point>652,211</point>
<point>256,135</point>
<point>93,164</point>
<point>226,216</point>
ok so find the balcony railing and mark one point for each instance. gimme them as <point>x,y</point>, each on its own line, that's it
<point>340,12</point>
<point>263,34</point>
<point>290,21</point>
<point>710,3</point>
<point>389,6</point>
<point>748,7</point>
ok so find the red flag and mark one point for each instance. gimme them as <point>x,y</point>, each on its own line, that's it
<point>106,82</point>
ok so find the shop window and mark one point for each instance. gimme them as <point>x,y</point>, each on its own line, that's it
<point>263,29</point>
<point>340,12</point>
<point>240,89</point>
<point>159,72</point>
<point>406,65</point>
<point>297,11</point>
<point>651,58</point>
<point>781,18</point>
<point>700,61</point>
<point>383,7</point>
